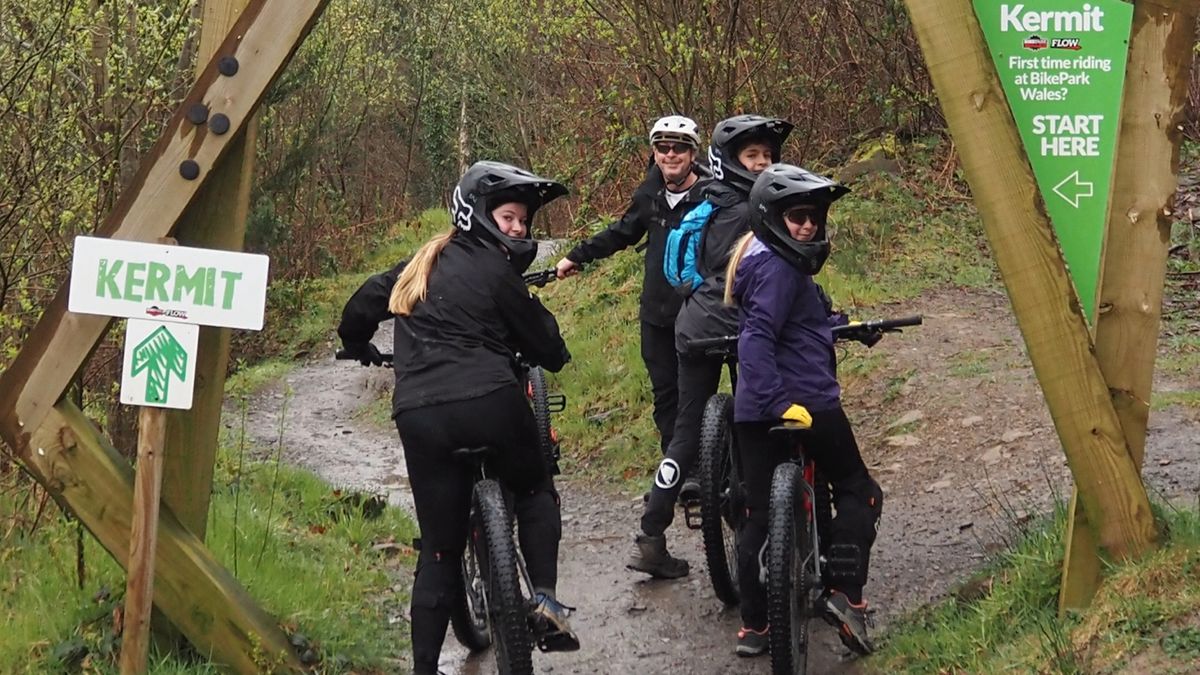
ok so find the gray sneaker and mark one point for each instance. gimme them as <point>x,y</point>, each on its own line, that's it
<point>650,556</point>
<point>851,621</point>
<point>551,628</point>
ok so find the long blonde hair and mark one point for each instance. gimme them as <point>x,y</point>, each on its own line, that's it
<point>413,284</point>
<point>735,258</point>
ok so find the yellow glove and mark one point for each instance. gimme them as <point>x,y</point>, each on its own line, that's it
<point>798,413</point>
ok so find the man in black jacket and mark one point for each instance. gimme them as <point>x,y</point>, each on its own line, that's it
<point>671,189</point>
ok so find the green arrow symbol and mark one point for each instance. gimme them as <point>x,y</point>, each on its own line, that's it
<point>1075,189</point>
<point>160,354</point>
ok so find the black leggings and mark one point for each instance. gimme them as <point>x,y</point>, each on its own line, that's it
<point>856,497</point>
<point>698,381</point>
<point>441,488</point>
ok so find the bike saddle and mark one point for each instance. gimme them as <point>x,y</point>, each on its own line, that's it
<point>788,430</point>
<point>466,454</point>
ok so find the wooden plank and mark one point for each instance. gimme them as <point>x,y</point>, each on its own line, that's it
<point>1139,227</point>
<point>215,219</point>
<point>86,475</point>
<point>139,586</point>
<point>262,41</point>
<point>1030,261</point>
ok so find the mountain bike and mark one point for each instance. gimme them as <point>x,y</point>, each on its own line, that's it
<point>799,512</point>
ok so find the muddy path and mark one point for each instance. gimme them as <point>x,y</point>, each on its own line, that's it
<point>951,423</point>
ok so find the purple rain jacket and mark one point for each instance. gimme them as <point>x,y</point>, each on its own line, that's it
<point>785,340</point>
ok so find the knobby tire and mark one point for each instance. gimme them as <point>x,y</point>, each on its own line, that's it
<point>507,607</point>
<point>720,503</point>
<point>789,553</point>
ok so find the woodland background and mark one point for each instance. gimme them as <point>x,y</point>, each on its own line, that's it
<point>387,101</point>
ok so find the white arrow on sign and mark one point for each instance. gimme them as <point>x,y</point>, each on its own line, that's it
<point>1076,191</point>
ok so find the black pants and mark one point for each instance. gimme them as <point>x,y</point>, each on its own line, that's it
<point>856,497</point>
<point>658,353</point>
<point>441,489</point>
<point>699,378</point>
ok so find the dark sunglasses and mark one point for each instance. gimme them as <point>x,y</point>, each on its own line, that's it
<point>799,214</point>
<point>679,148</point>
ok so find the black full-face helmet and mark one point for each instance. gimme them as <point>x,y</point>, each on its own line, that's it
<point>487,185</point>
<point>781,188</point>
<point>733,134</point>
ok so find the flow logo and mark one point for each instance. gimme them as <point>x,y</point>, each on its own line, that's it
<point>462,211</point>
<point>668,474</point>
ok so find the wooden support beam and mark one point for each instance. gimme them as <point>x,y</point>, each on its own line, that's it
<point>1030,261</point>
<point>215,219</point>
<point>1139,231</point>
<point>261,43</point>
<point>87,476</point>
<point>139,586</point>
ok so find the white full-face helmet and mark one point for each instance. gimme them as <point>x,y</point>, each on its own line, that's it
<point>675,128</point>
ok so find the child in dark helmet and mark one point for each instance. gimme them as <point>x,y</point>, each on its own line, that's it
<point>740,148</point>
<point>462,311</point>
<point>787,372</point>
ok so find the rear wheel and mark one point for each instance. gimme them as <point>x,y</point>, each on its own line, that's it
<point>720,497</point>
<point>507,607</point>
<point>789,558</point>
<point>469,614</point>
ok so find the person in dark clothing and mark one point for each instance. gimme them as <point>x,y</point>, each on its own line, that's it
<point>788,372</point>
<point>740,148</point>
<point>462,312</point>
<point>671,188</point>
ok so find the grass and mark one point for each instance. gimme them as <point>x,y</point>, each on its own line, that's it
<point>1005,619</point>
<point>324,563</point>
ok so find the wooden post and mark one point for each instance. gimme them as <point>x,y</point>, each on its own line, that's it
<point>215,219</point>
<point>1043,297</point>
<point>139,588</point>
<point>1139,228</point>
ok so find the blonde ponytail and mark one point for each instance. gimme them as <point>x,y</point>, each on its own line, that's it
<point>735,258</point>
<point>413,283</point>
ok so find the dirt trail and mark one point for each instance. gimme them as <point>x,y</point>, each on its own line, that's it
<point>976,456</point>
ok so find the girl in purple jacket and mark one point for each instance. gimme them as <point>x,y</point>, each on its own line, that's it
<point>787,362</point>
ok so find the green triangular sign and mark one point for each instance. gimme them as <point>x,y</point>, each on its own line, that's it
<point>1062,66</point>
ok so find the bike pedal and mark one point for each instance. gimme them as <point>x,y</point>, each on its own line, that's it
<point>691,515</point>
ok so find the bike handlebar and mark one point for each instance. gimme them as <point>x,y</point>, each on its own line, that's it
<point>881,326</point>
<point>540,279</point>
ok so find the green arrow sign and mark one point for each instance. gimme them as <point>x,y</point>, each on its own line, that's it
<point>160,355</point>
<point>1062,66</point>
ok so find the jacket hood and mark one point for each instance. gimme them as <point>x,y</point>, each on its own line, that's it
<point>723,195</point>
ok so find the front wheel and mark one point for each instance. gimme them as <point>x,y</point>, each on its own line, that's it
<point>538,396</point>
<point>720,497</point>
<point>789,582</point>
<point>507,607</point>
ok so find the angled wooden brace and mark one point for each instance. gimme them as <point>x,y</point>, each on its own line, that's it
<point>61,449</point>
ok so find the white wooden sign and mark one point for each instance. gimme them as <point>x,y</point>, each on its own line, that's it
<point>178,284</point>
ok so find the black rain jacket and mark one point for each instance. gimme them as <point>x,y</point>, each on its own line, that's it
<point>461,341</point>
<point>648,215</point>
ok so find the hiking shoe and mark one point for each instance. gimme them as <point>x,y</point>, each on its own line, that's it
<point>850,620</point>
<point>751,642</point>
<point>650,556</point>
<point>551,628</point>
<point>690,492</point>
